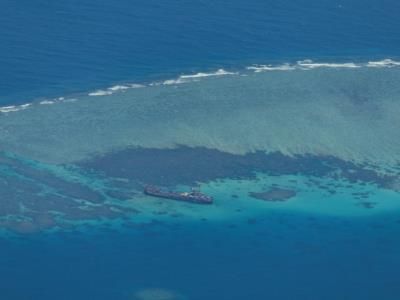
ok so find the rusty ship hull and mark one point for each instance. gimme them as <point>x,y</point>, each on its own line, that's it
<point>191,197</point>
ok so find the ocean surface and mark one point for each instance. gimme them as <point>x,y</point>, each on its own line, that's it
<point>63,47</point>
<point>285,112</point>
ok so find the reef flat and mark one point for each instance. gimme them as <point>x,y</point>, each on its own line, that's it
<point>326,132</point>
<point>38,196</point>
<point>349,113</point>
<point>34,198</point>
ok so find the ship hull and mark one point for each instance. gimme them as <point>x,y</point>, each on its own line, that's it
<point>197,199</point>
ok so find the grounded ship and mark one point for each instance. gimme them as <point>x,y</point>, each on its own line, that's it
<point>193,196</point>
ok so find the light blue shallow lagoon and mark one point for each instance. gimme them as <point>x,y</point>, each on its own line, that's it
<point>287,114</point>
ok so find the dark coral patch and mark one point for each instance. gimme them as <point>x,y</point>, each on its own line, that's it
<point>367,204</point>
<point>274,194</point>
<point>34,199</point>
<point>187,165</point>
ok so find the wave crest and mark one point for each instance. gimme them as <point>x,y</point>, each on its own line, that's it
<point>308,64</point>
<point>13,108</point>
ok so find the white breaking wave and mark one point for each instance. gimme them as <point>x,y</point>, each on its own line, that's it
<point>12,108</point>
<point>125,87</point>
<point>194,77</point>
<point>100,93</point>
<point>174,81</point>
<point>260,68</point>
<point>308,64</point>
<point>47,102</point>
<point>116,88</point>
<point>386,63</point>
<point>57,100</point>
<point>52,101</point>
<point>136,86</point>
<point>220,72</point>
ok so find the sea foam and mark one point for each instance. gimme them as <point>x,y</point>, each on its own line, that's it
<point>309,64</point>
<point>385,63</point>
<point>220,72</point>
<point>185,78</point>
<point>306,64</point>
<point>14,108</point>
<point>116,88</point>
<point>260,68</point>
<point>100,93</point>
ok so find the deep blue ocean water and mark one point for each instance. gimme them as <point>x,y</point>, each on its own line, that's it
<point>57,48</point>
<point>289,256</point>
<point>52,49</point>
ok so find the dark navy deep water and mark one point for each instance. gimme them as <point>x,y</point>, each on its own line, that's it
<point>286,256</point>
<point>53,48</point>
